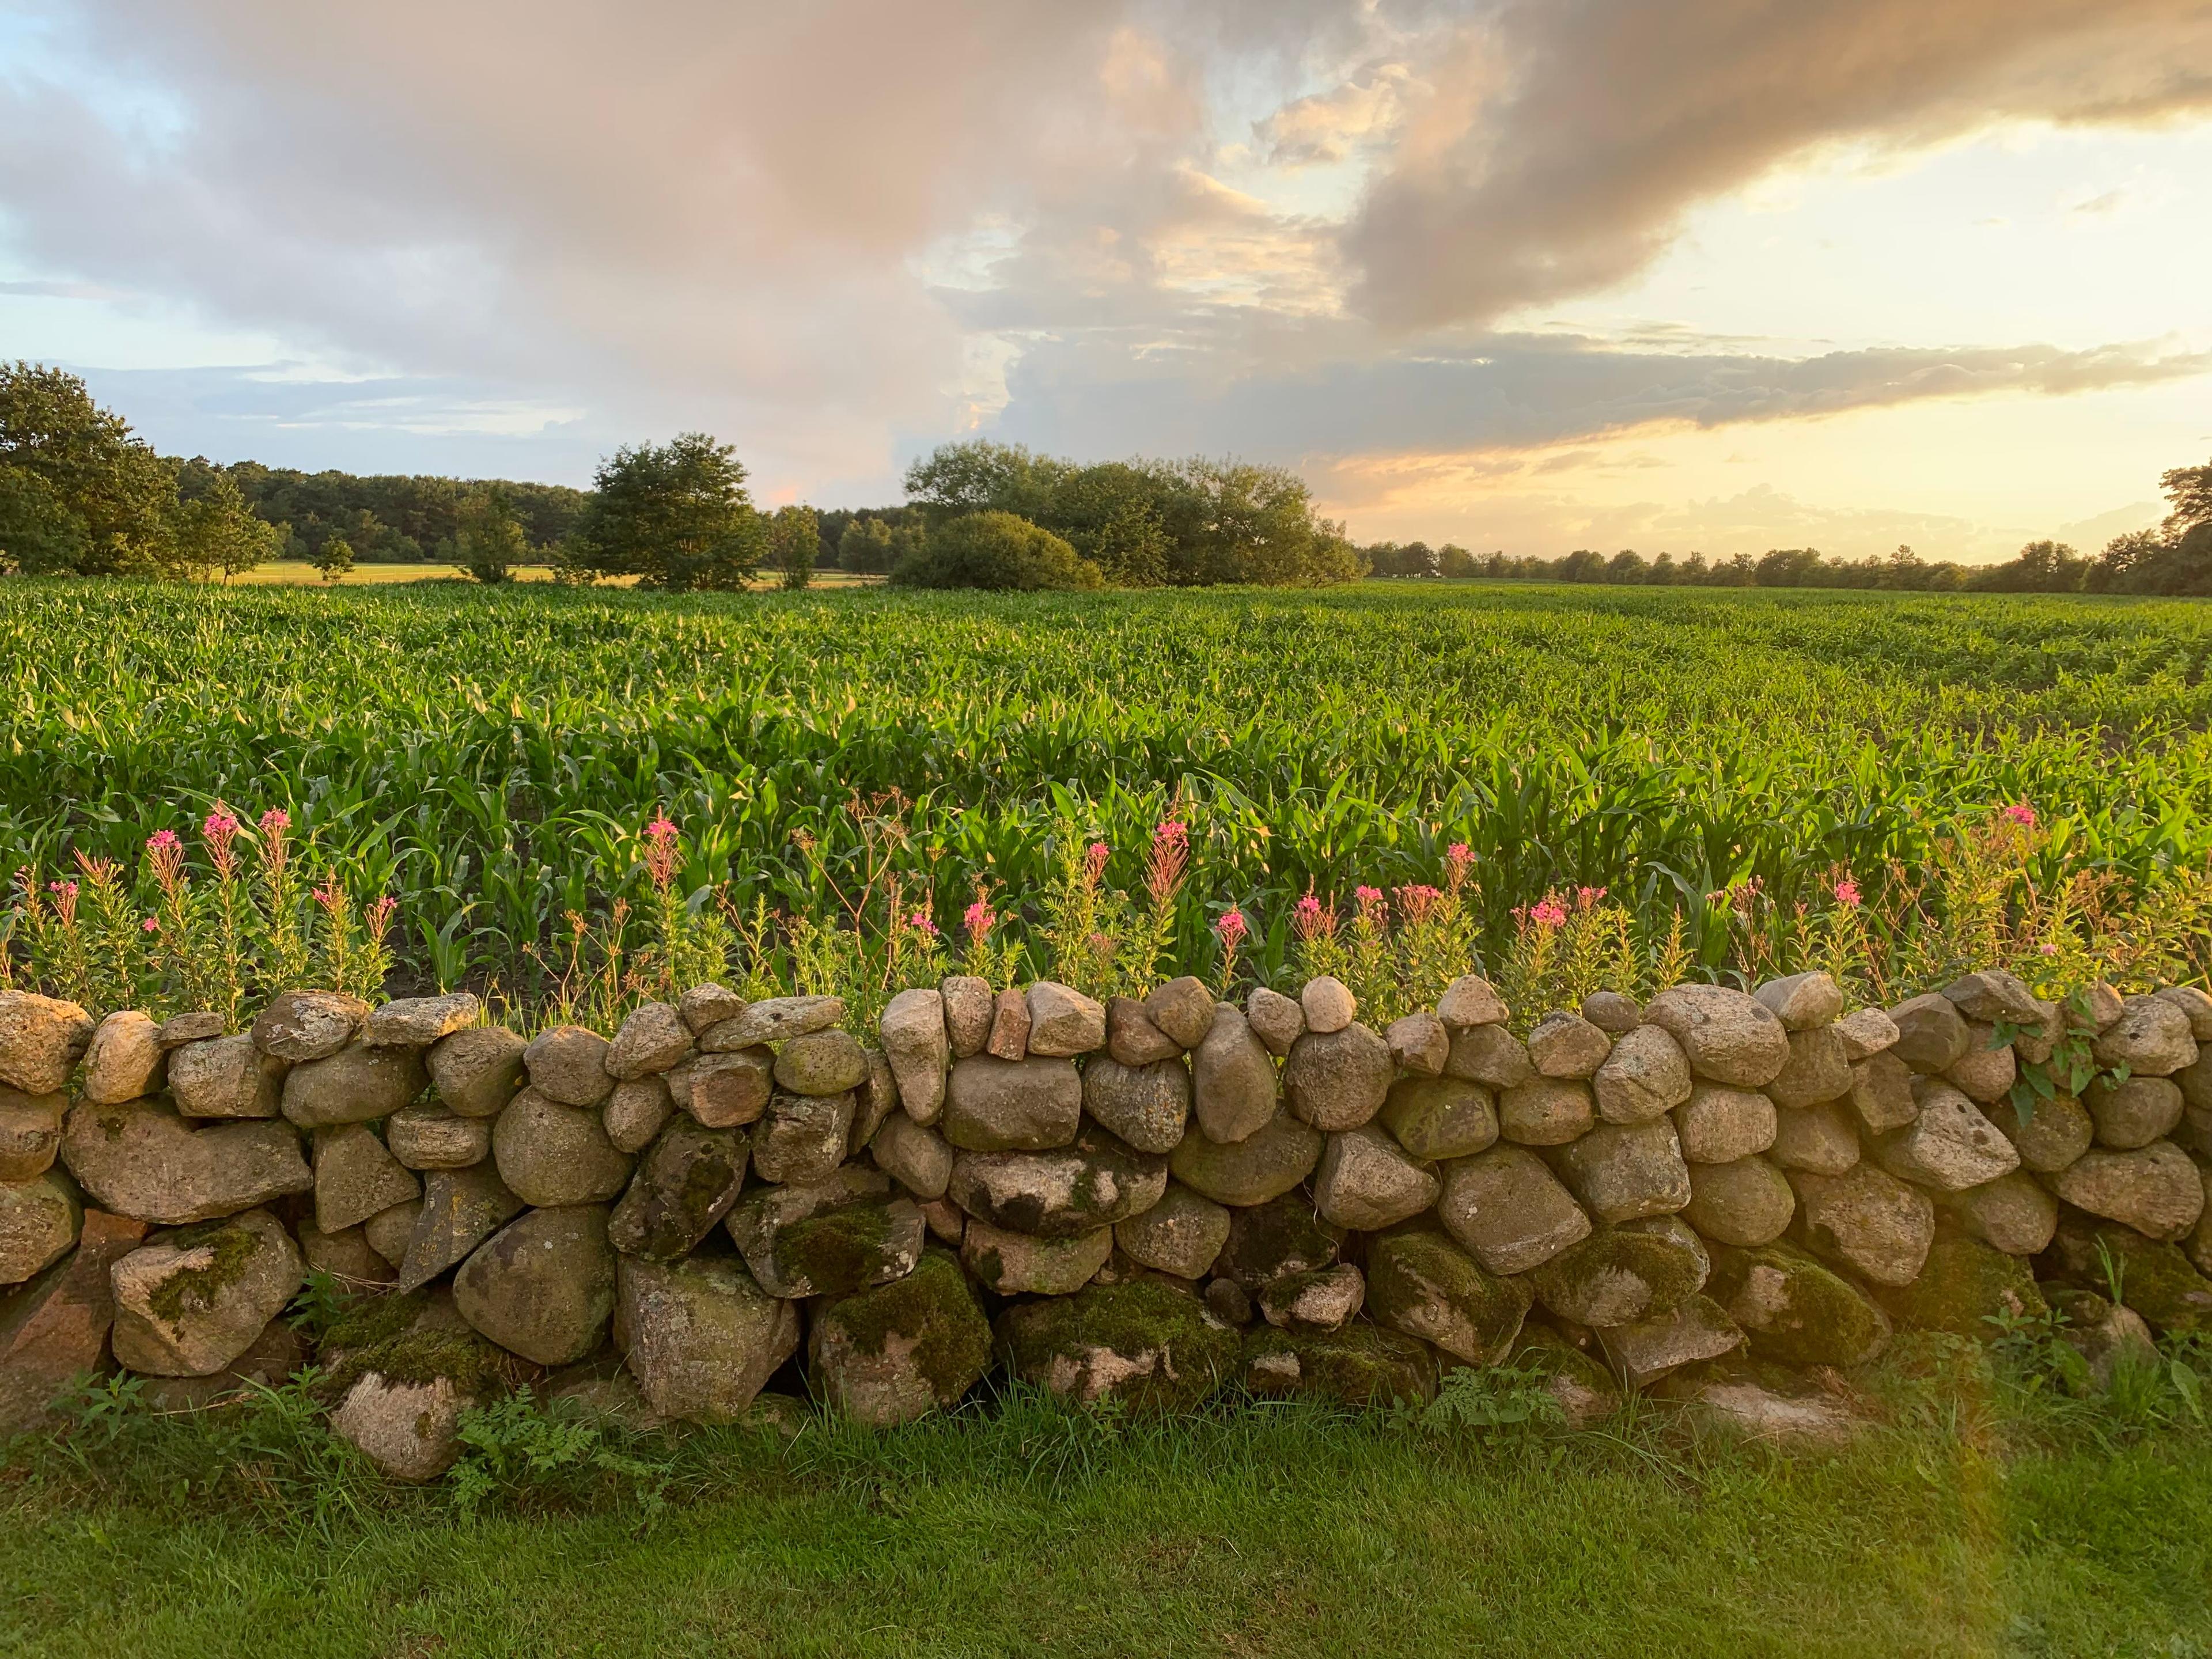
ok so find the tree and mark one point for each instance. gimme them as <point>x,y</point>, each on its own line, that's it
<point>2189,489</point>
<point>995,551</point>
<point>674,515</point>
<point>491,542</point>
<point>218,532</point>
<point>92,499</point>
<point>982,477</point>
<point>866,546</point>
<point>2038,568</point>
<point>1455,560</point>
<point>333,558</point>
<point>794,541</point>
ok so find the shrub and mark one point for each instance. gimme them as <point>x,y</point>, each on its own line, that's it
<point>995,551</point>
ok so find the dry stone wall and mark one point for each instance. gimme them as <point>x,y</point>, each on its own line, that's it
<point>1145,1200</point>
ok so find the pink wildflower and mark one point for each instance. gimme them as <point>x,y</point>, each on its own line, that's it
<point>2020,812</point>
<point>921,923</point>
<point>1847,893</point>
<point>980,920</point>
<point>660,853</point>
<point>1233,927</point>
<point>66,888</point>
<point>167,854</point>
<point>1170,856</point>
<point>379,915</point>
<point>218,829</point>
<point>275,820</point>
<point>161,840</point>
<point>1548,912</point>
<point>1460,853</point>
<point>150,925</point>
<point>1586,896</point>
<point>1311,919</point>
<point>1094,861</point>
<point>1417,902</point>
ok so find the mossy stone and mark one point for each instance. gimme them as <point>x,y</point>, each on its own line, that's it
<point>1795,1309</point>
<point>2156,1278</point>
<point>851,1248</point>
<point>412,1340</point>
<point>1141,1341</point>
<point>1421,1284</point>
<point>1360,1365</point>
<point>896,1353</point>
<point>1586,1391</point>
<point>1621,1273</point>
<point>1283,1236</point>
<point>1963,1287</point>
<point>686,1182</point>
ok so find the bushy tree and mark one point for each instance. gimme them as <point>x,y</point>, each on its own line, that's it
<point>491,542</point>
<point>217,534</point>
<point>794,541</point>
<point>78,492</point>
<point>866,547</point>
<point>995,551</point>
<point>333,558</point>
<point>675,516</point>
<point>1455,561</point>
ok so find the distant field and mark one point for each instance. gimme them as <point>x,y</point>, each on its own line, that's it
<point>491,755</point>
<point>295,573</point>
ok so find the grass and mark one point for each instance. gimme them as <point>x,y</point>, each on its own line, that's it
<point>1978,1520</point>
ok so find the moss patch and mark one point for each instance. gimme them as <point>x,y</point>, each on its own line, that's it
<point>194,1290</point>
<point>2155,1279</point>
<point>1963,1287</point>
<point>835,1252</point>
<point>1422,1284</point>
<point>1616,1275</point>
<point>934,1308</point>
<point>1796,1310</point>
<point>1143,1317</point>
<point>1283,1236</point>
<point>1360,1365</point>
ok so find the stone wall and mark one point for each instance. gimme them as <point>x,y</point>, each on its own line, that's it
<point>1145,1200</point>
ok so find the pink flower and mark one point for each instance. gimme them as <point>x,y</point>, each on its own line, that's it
<point>1548,912</point>
<point>1095,859</point>
<point>2020,812</point>
<point>379,915</point>
<point>1586,896</point>
<point>161,841</point>
<point>1847,893</point>
<point>275,820</point>
<point>1311,919</point>
<point>2050,949</point>
<point>980,920</point>
<point>661,828</point>
<point>217,829</point>
<point>921,923</point>
<point>1233,927</point>
<point>1172,832</point>
<point>1460,854</point>
<point>1368,894</point>
<point>660,853</point>
<point>1165,866</point>
<point>219,825</point>
<point>1417,902</point>
<point>66,888</point>
<point>150,925</point>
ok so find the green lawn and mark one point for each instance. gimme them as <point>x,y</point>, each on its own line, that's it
<point>1959,1528</point>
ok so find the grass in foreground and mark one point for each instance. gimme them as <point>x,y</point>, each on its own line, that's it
<point>1984,1518</point>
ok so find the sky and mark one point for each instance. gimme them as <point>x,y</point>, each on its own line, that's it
<point>1677,275</point>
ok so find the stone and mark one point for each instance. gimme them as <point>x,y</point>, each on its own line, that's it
<point>431,1135</point>
<point>1624,1274</point>
<point>1819,1138</point>
<point>225,1077</point>
<point>569,1064</point>
<point>1647,1349</point>
<point>410,1430</point>
<point>1646,1076</point>
<point>356,1176</point>
<point>802,1137</point>
<point>30,1133</point>
<point>346,1256</point>
<point>918,1158</point>
<point>1612,1012</point>
<point>684,1185</point>
<point>477,1071</point>
<point>1469,1001</point>
<point>1182,1234</point>
<point>1803,1002</point>
<point>1728,1035</point>
<point>304,1025</point>
<point>1623,1170</point>
<point>1881,1094</point>
<point>190,1302</point>
<point>1489,1055</point>
<point>1747,1203</point>
<point>2135,1113</point>
<point>1546,1112</point>
<point>1365,1183</point>
<point>2152,1037</point>
<point>1440,1117</point>
<point>1276,1020</point>
<point>1718,1124</point>
<point>914,1042</point>
<point>2154,1189</point>
<point>1229,1301</point>
<point>1867,1032</point>
<point>1419,1043</point>
<point>39,1221</point>
<point>1793,1310</point>
<point>2108,1336</point>
<point>1819,1069</point>
<point>830,1062</point>
<point>55,1328</point>
<point>872,1102</point>
<point>636,1112</point>
<point>1987,1071</point>
<point>655,1038</point>
<point>1009,1263</point>
<point>1010,1026</point>
<point>1966,1288</point>
<point>2195,1004</point>
<point>901,1351</point>
<point>1358,1366</point>
<point>725,1091</point>
<point>995,1105</point>
<point>418,1022</point>
<point>1337,1080</point>
<point>1867,1220</point>
<point>1133,1040</point>
<point>705,1005</point>
<point>1420,1284</point>
<point>2036,1043</point>
<point>460,1209</point>
<point>180,1029</point>
<point>41,1040</point>
<point>2056,1132</point>
<point>1148,1106</point>
<point>1583,1390</point>
<point>543,1286</point>
<point>777,1019</point>
<point>1232,1078</point>
<point>354,1085</point>
<point>1993,995</point>
<point>829,1237</point>
<point>1762,1404</point>
<point>1154,1348</point>
<point>968,1004</point>
<point>1932,1033</point>
<point>600,1386</point>
<point>2153,1278</point>
<point>1327,1003</point>
<point>1950,1147</point>
<point>700,1337</point>
<point>1327,1299</point>
<point>1064,1023</point>
<point>125,1060</point>
<point>1508,1210</point>
<point>2014,1214</point>
<point>1182,1010</point>
<point>2199,1246</point>
<point>1265,1165</point>
<point>389,1230</point>
<point>1267,1241</point>
<point>552,1154</point>
<point>142,1159</point>
<point>1565,1044</point>
<point>1095,1182</point>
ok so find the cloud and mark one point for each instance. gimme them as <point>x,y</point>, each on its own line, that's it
<point>1560,142</point>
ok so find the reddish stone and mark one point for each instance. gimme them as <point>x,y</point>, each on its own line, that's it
<point>56,1327</point>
